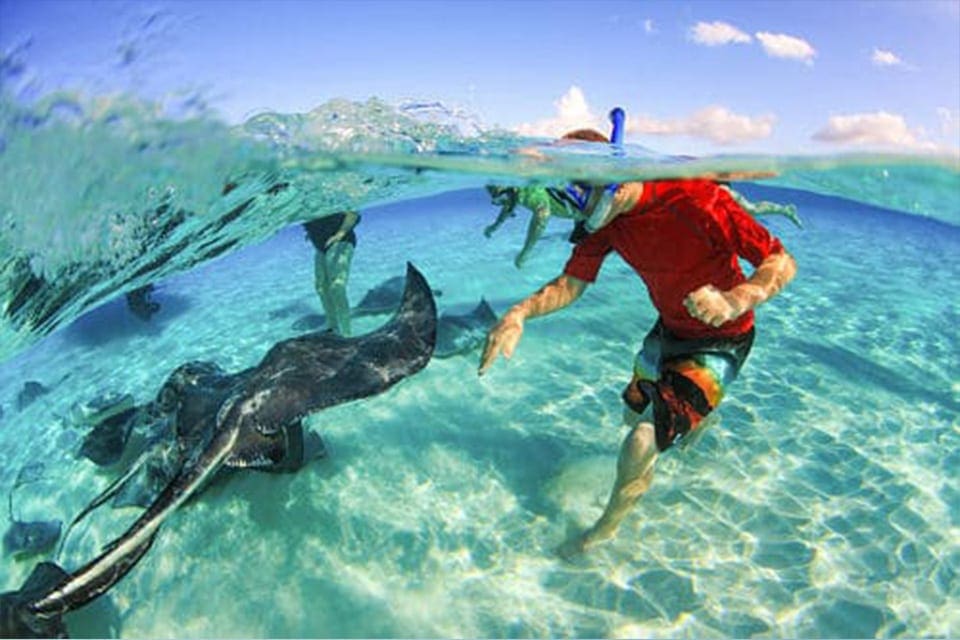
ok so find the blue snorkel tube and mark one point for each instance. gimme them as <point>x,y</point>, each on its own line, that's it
<point>617,118</point>
<point>600,212</point>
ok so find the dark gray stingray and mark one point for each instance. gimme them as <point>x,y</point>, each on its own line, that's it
<point>288,310</point>
<point>30,391</point>
<point>145,479</point>
<point>253,422</point>
<point>181,419</point>
<point>101,408</point>
<point>383,298</point>
<point>24,539</point>
<point>458,334</point>
<point>310,322</point>
<point>112,420</point>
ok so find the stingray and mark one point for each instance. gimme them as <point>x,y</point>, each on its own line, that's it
<point>310,322</point>
<point>145,479</point>
<point>288,310</point>
<point>255,422</point>
<point>180,418</point>
<point>458,334</point>
<point>30,391</point>
<point>113,419</point>
<point>383,298</point>
<point>25,539</point>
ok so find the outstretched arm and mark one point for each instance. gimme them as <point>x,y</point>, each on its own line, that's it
<point>506,198</point>
<point>503,338</point>
<point>505,212</point>
<point>764,207</point>
<point>714,307</point>
<point>350,220</point>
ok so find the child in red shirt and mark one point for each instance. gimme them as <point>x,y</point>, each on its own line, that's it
<point>684,239</point>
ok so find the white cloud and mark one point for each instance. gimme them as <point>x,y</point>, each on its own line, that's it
<point>879,129</point>
<point>776,45</point>
<point>714,123</point>
<point>648,26</point>
<point>780,45</point>
<point>572,112</point>
<point>883,58</point>
<point>714,34</point>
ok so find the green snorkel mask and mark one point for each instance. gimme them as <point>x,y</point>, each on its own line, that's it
<point>504,197</point>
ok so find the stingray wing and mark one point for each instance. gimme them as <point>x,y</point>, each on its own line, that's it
<point>318,370</point>
<point>484,314</point>
<point>458,334</point>
<point>382,298</point>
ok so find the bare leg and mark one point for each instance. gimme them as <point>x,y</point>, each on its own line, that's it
<point>338,258</point>
<point>320,283</point>
<point>634,475</point>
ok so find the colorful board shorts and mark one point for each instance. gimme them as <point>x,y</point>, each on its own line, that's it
<point>685,379</point>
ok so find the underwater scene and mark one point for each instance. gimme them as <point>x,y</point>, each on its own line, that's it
<point>820,501</point>
<point>193,444</point>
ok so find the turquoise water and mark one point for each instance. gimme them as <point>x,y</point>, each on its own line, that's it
<point>823,502</point>
<point>101,196</point>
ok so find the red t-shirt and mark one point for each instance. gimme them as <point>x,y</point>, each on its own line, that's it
<point>681,235</point>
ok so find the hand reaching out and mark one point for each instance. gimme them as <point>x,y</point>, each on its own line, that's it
<point>332,240</point>
<point>503,338</point>
<point>712,306</point>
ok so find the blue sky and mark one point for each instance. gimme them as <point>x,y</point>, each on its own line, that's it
<point>694,77</point>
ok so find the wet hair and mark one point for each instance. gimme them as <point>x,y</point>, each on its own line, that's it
<point>505,197</point>
<point>587,135</point>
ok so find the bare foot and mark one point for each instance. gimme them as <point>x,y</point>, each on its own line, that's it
<point>572,548</point>
<point>577,544</point>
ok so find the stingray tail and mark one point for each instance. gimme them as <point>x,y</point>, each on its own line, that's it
<point>21,618</point>
<point>115,487</point>
<point>121,555</point>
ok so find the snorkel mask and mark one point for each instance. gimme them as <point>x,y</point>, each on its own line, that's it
<point>579,194</point>
<point>505,198</point>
